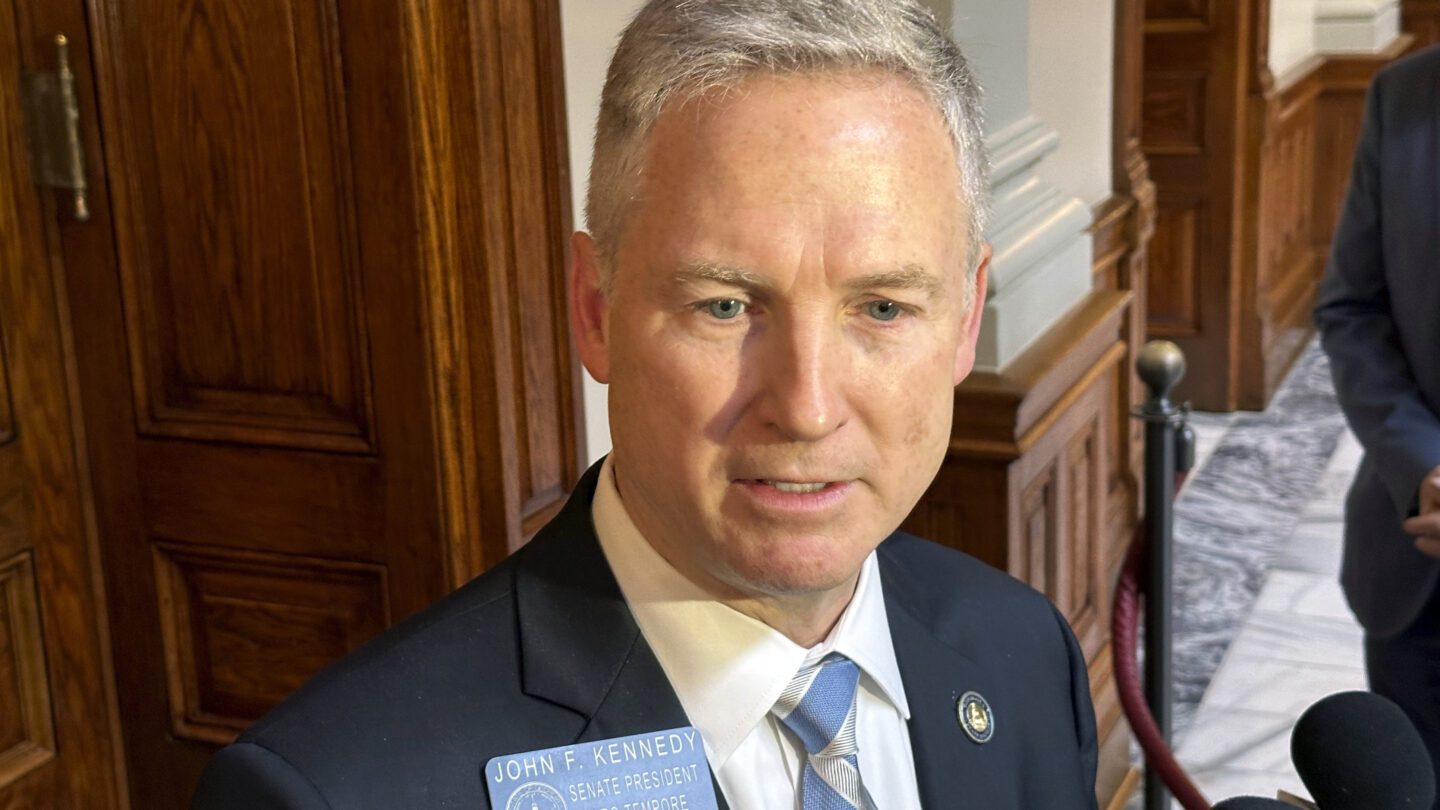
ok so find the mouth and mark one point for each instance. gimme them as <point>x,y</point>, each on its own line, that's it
<point>796,487</point>
<point>789,496</point>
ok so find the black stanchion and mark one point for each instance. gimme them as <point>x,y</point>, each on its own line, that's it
<point>1168,440</point>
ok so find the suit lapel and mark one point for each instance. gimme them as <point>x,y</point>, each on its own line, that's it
<point>951,769</point>
<point>579,644</point>
<point>1431,224</point>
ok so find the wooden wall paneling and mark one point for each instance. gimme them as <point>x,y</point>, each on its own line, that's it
<point>1123,231</point>
<point>1339,113</point>
<point>1422,19</point>
<point>1119,265</point>
<point>1026,485</point>
<point>1280,270</point>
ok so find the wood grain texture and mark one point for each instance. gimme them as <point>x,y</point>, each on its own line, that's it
<point>44,512</point>
<point>1339,113</point>
<point>7,411</point>
<point>1421,18</point>
<point>1193,117</point>
<point>1028,485</point>
<point>1250,173</point>
<point>1281,271</point>
<point>349,390</point>
<point>1133,186</point>
<point>506,288</point>
<point>27,733</point>
<point>248,329</point>
<point>1177,15</point>
<point>242,630</point>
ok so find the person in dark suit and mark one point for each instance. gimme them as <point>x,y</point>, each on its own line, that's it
<point>783,286</point>
<point>1379,318</point>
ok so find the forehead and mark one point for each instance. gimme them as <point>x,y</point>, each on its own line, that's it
<point>864,155</point>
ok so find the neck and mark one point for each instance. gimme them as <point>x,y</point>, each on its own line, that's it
<point>806,619</point>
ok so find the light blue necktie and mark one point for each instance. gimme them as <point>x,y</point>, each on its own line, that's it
<point>819,707</point>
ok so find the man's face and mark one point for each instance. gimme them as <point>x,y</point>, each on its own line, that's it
<point>785,330</point>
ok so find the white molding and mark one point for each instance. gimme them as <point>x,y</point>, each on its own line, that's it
<point>1018,314</point>
<point>1041,263</point>
<point>1356,26</point>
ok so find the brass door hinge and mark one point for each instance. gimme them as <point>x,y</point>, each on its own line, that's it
<point>52,119</point>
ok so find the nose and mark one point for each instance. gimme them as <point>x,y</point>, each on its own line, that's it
<point>804,377</point>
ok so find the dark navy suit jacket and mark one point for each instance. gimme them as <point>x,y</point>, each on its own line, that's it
<point>1379,317</point>
<point>542,651</point>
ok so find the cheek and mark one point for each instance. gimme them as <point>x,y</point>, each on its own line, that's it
<point>669,385</point>
<point>916,401</point>
<point>929,421</point>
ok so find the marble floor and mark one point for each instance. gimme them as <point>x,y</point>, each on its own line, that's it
<point>1271,633</point>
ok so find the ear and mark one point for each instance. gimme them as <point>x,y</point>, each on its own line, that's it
<point>965,352</point>
<point>589,309</point>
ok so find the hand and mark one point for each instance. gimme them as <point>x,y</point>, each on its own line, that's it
<point>1426,524</point>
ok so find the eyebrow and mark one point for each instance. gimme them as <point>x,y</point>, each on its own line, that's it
<point>909,277</point>
<point>720,274</point>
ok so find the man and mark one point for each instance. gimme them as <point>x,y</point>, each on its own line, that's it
<point>1379,317</point>
<point>783,286</point>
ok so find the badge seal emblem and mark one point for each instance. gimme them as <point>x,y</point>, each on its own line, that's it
<point>535,796</point>
<point>976,718</point>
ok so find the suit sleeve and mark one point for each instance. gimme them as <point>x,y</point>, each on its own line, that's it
<point>246,776</point>
<point>1373,377</point>
<point>1084,710</point>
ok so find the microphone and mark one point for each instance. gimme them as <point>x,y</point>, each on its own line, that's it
<point>1252,803</point>
<point>1358,751</point>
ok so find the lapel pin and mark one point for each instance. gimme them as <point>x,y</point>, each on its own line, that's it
<point>976,718</point>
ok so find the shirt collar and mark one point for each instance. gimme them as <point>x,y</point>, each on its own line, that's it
<point>728,669</point>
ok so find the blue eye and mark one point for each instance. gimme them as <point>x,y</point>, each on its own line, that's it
<point>883,310</point>
<point>724,309</point>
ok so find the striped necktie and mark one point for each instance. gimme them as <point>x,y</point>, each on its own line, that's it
<point>819,707</point>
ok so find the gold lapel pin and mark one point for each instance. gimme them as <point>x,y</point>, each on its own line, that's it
<point>975,716</point>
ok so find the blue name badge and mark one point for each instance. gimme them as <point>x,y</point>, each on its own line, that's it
<point>661,770</point>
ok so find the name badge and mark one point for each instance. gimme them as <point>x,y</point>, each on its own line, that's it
<point>661,770</point>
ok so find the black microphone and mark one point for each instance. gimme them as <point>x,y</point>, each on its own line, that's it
<point>1358,751</point>
<point>1252,803</point>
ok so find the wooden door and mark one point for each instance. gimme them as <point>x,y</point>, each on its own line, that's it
<point>318,331</point>
<point>59,740</point>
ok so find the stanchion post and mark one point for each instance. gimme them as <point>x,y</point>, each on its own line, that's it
<point>1161,365</point>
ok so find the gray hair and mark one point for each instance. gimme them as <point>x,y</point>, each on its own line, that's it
<point>678,50</point>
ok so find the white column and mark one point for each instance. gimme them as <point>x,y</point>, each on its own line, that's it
<point>1038,230</point>
<point>1356,26</point>
<point>590,29</point>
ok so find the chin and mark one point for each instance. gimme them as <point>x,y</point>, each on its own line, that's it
<point>796,566</point>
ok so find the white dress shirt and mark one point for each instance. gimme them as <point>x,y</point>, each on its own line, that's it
<point>729,669</point>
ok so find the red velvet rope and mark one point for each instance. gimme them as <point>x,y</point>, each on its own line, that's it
<point>1125,628</point>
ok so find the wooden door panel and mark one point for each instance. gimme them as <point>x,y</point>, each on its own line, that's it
<point>27,735</point>
<point>306,503</point>
<point>235,222</point>
<point>243,630</point>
